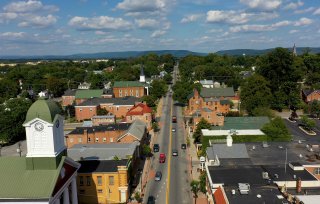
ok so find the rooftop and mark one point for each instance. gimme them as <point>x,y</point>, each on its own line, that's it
<point>89,93</point>
<point>70,92</point>
<point>129,100</point>
<point>120,84</point>
<point>137,129</point>
<point>139,109</point>
<point>91,166</point>
<point>102,151</point>
<point>217,92</point>
<point>242,123</point>
<point>101,128</point>
<point>223,151</point>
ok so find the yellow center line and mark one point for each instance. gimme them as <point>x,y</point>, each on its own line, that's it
<point>169,157</point>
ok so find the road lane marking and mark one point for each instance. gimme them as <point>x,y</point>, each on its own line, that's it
<point>169,155</point>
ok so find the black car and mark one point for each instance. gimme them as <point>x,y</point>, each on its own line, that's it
<point>158,176</point>
<point>183,146</point>
<point>151,200</point>
<point>156,148</point>
<point>174,152</point>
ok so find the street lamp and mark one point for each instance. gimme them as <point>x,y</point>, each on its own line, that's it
<point>19,149</point>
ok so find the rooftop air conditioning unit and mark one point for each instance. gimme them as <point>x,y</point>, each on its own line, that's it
<point>244,188</point>
<point>265,175</point>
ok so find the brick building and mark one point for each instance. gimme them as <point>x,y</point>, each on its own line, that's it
<point>142,112</point>
<point>69,97</point>
<point>104,134</point>
<point>83,95</point>
<point>117,106</point>
<point>129,88</point>
<point>310,95</point>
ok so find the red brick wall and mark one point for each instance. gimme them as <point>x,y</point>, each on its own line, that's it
<point>118,111</point>
<point>68,100</point>
<point>85,112</point>
<point>110,137</point>
<point>313,96</point>
<point>147,118</point>
<point>120,92</point>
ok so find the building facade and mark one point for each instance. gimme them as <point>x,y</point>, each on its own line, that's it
<point>128,88</point>
<point>141,112</point>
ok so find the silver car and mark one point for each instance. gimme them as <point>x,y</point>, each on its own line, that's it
<point>158,176</point>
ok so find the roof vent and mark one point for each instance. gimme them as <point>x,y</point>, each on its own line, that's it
<point>244,188</point>
<point>258,196</point>
<point>265,175</point>
<point>233,192</point>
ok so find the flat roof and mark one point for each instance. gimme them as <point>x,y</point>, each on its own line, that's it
<point>223,151</point>
<point>242,123</point>
<point>101,166</point>
<point>288,175</point>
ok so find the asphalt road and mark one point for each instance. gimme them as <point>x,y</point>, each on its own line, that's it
<point>174,185</point>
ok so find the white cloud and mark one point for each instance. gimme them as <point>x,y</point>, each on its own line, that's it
<point>142,5</point>
<point>293,6</point>
<point>28,6</point>
<point>100,23</point>
<point>38,21</point>
<point>214,30</point>
<point>158,33</point>
<point>4,17</point>
<point>232,17</point>
<point>317,12</point>
<point>303,21</point>
<point>293,31</point>
<point>13,35</point>
<point>147,23</point>
<point>259,28</point>
<point>307,10</point>
<point>191,18</point>
<point>264,5</point>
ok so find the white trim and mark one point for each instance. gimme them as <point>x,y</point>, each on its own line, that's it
<point>124,135</point>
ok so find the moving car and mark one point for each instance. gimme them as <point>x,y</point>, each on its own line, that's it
<point>174,119</point>
<point>156,148</point>
<point>151,200</point>
<point>173,129</point>
<point>174,152</point>
<point>162,157</point>
<point>158,176</point>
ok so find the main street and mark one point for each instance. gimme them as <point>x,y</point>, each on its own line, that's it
<point>174,185</point>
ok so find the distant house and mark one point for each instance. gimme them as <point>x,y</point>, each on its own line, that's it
<point>207,83</point>
<point>117,106</point>
<point>142,112</point>
<point>129,88</point>
<point>43,94</point>
<point>69,97</point>
<point>84,85</point>
<point>310,95</point>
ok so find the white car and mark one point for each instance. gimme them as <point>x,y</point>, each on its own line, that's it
<point>173,129</point>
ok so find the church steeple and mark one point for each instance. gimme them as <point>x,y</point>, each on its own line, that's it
<point>142,77</point>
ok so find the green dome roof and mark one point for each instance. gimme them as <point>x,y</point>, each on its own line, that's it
<point>43,109</point>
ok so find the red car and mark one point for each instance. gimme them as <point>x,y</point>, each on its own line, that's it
<point>162,157</point>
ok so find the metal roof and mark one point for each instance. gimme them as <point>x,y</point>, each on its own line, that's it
<point>91,166</point>
<point>217,92</point>
<point>17,182</point>
<point>137,129</point>
<point>102,151</point>
<point>129,100</point>
<point>90,93</point>
<point>120,84</point>
<point>225,152</point>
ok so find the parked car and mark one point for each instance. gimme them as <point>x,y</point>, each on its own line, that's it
<point>158,176</point>
<point>151,200</point>
<point>183,146</point>
<point>156,148</point>
<point>162,158</point>
<point>174,152</point>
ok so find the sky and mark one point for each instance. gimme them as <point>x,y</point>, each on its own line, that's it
<point>62,27</point>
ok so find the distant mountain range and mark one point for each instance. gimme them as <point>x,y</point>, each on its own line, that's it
<point>132,54</point>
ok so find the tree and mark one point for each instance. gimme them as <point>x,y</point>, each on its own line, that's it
<point>13,113</point>
<point>146,150</point>
<point>102,111</point>
<point>255,93</point>
<point>56,86</point>
<point>203,124</point>
<point>158,88</point>
<point>203,182</point>
<point>70,111</point>
<point>315,108</point>
<point>276,130</point>
<point>307,123</point>
<point>155,126</point>
<point>150,100</point>
<point>195,188</point>
<point>8,89</point>
<point>167,78</point>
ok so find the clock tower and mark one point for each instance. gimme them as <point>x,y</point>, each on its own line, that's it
<point>44,132</point>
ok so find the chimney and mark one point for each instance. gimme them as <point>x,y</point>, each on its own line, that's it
<point>298,185</point>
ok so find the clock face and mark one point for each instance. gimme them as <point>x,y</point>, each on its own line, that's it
<point>39,126</point>
<point>57,124</point>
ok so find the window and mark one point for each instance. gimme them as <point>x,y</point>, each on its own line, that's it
<point>80,140</point>
<point>80,109</point>
<point>100,191</point>
<point>99,179</point>
<point>137,93</point>
<point>130,117</point>
<point>82,191</point>
<point>89,139</point>
<point>120,94</point>
<point>90,109</point>
<point>97,139</point>
<point>208,116</point>
<point>81,180</point>
<point>71,140</point>
<point>111,139</point>
<point>316,171</point>
<point>104,139</point>
<point>88,181</point>
<point>215,108</point>
<point>111,180</point>
<point>117,108</point>
<point>120,91</point>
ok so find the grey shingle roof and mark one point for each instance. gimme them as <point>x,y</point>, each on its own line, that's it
<point>137,129</point>
<point>70,92</point>
<point>217,92</point>
<point>102,151</point>
<point>129,100</point>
